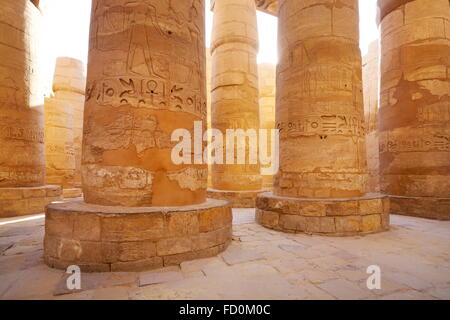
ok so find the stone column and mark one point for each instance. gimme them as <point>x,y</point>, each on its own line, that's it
<point>22,156</point>
<point>59,146</point>
<point>320,187</point>
<point>234,97</point>
<point>370,82</point>
<point>141,209</point>
<point>266,76</point>
<point>69,85</point>
<point>415,106</point>
<point>208,104</point>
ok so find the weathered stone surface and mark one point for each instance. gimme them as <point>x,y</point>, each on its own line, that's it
<point>344,217</point>
<point>69,85</point>
<point>59,143</point>
<point>22,156</point>
<point>234,89</point>
<point>24,201</point>
<point>370,74</point>
<point>159,277</point>
<point>322,182</point>
<point>131,239</point>
<point>145,79</point>
<point>319,101</point>
<point>238,199</point>
<point>267,92</point>
<point>414,105</point>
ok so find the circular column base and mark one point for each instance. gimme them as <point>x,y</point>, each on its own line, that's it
<point>102,238</point>
<point>27,200</point>
<point>422,207</point>
<point>332,217</point>
<point>72,193</point>
<point>238,199</point>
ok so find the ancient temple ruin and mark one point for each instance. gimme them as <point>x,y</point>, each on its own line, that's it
<point>360,138</point>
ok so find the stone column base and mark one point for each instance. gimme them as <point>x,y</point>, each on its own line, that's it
<point>72,193</point>
<point>238,199</point>
<point>27,200</point>
<point>102,238</point>
<point>422,207</point>
<point>333,217</point>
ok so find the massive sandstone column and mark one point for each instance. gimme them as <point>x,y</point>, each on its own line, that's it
<point>69,85</point>
<point>266,76</point>
<point>415,106</point>
<point>145,79</point>
<point>370,82</point>
<point>208,104</point>
<point>320,187</point>
<point>22,154</point>
<point>234,96</point>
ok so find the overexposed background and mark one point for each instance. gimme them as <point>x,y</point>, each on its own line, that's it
<point>66,30</point>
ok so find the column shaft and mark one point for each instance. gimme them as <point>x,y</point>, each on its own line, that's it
<point>415,106</point>
<point>146,78</point>
<point>22,153</point>
<point>370,80</point>
<point>235,87</point>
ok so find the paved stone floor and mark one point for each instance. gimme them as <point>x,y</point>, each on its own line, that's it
<point>414,257</point>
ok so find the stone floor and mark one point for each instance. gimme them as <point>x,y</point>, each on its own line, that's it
<point>414,257</point>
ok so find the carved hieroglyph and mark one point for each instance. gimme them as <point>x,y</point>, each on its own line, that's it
<point>266,76</point>
<point>146,78</point>
<point>69,85</point>
<point>22,157</point>
<point>319,101</point>
<point>321,185</point>
<point>370,82</point>
<point>234,87</point>
<point>415,105</point>
<point>59,143</point>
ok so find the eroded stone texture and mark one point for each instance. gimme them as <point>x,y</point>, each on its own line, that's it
<point>208,103</point>
<point>100,238</point>
<point>319,101</point>
<point>266,75</point>
<point>320,114</point>
<point>59,146</point>
<point>69,85</point>
<point>415,106</point>
<point>370,82</point>
<point>234,87</point>
<point>22,156</point>
<point>146,78</point>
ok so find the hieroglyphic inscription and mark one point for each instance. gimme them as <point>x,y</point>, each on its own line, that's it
<point>147,93</point>
<point>323,125</point>
<point>409,143</point>
<point>20,133</point>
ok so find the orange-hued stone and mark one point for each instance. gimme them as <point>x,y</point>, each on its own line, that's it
<point>319,101</point>
<point>267,75</point>
<point>415,106</point>
<point>208,103</point>
<point>22,154</point>
<point>59,143</point>
<point>69,85</point>
<point>321,185</point>
<point>145,79</point>
<point>141,210</point>
<point>22,157</point>
<point>234,86</point>
<point>370,82</point>
<point>234,101</point>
